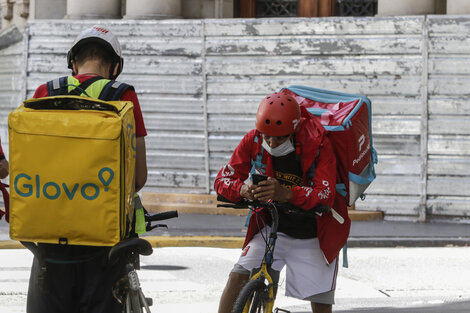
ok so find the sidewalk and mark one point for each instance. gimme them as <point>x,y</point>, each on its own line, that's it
<point>227,231</point>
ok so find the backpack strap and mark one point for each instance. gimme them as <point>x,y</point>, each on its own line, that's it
<point>57,86</point>
<point>78,90</point>
<point>113,91</point>
<point>257,157</point>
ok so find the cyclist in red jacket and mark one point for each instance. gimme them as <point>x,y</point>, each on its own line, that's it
<point>293,151</point>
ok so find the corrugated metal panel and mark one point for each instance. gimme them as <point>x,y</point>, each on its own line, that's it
<point>378,57</point>
<point>11,85</point>
<point>308,26</point>
<point>449,116</point>
<point>163,62</point>
<point>200,82</point>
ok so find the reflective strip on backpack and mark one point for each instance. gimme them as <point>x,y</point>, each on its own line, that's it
<point>102,89</point>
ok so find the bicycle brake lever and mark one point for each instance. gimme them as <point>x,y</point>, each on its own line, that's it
<point>149,228</point>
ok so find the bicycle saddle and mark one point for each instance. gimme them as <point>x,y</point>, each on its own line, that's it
<point>129,247</point>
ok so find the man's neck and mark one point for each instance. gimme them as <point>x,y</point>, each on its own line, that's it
<point>92,68</point>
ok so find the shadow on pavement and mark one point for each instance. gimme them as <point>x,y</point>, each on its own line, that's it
<point>448,307</point>
<point>163,267</point>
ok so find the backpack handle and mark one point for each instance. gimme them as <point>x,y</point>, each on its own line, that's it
<point>69,103</point>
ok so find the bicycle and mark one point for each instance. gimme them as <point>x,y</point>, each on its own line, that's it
<point>127,290</point>
<point>259,293</point>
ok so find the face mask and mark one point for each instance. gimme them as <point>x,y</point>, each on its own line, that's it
<point>281,150</point>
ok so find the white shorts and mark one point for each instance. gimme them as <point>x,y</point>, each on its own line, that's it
<point>307,272</point>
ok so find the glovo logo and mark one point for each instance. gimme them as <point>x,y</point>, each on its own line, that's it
<point>27,186</point>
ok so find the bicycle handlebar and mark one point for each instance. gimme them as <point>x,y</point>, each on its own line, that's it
<point>245,204</point>
<point>158,217</point>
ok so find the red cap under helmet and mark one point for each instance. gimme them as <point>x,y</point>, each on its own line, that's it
<point>278,115</point>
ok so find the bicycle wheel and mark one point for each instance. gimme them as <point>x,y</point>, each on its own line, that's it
<point>252,298</point>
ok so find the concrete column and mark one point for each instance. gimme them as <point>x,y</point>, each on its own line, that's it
<point>6,8</point>
<point>14,13</point>
<point>93,9</point>
<point>406,7</point>
<point>153,9</point>
<point>457,7</point>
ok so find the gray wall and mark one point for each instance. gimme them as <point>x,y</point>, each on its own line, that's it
<point>11,78</point>
<point>448,115</point>
<point>200,81</point>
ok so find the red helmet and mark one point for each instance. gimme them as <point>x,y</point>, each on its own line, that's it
<point>278,115</point>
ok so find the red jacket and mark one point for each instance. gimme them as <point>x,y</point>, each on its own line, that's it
<point>316,150</point>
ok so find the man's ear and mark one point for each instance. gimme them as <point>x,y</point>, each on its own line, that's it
<point>74,67</point>
<point>115,71</point>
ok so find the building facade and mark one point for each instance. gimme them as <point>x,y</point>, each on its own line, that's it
<point>19,12</point>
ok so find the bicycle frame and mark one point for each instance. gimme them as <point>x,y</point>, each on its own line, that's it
<point>263,272</point>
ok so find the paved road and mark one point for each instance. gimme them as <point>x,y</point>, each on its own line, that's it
<point>378,280</point>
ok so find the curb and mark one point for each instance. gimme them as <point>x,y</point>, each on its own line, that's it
<point>11,244</point>
<point>166,241</point>
<point>237,242</point>
<point>411,242</point>
<point>195,241</point>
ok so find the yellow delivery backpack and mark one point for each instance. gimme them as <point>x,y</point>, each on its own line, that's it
<point>72,162</point>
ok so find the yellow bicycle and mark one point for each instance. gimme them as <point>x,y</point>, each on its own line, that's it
<point>259,293</point>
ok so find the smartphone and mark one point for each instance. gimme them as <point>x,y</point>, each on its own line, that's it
<point>256,178</point>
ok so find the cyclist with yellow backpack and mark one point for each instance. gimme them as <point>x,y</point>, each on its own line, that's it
<point>79,278</point>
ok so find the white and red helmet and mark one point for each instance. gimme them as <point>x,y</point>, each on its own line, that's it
<point>100,35</point>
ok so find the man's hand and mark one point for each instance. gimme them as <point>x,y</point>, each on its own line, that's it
<point>270,189</point>
<point>246,191</point>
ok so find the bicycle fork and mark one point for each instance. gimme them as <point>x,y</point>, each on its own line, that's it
<point>134,285</point>
<point>263,273</point>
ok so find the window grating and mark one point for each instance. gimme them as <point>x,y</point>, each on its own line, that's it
<point>276,8</point>
<point>356,7</point>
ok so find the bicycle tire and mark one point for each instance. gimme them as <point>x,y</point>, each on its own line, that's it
<point>253,295</point>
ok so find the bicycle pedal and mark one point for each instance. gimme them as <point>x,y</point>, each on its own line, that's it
<point>277,310</point>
